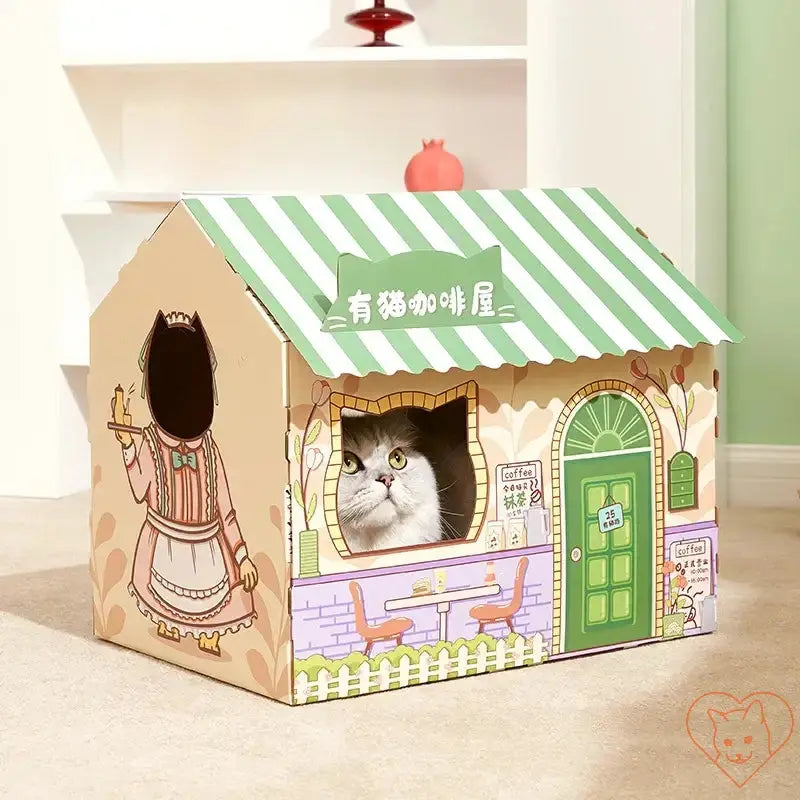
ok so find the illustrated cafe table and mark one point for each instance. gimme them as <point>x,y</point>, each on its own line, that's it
<point>442,601</point>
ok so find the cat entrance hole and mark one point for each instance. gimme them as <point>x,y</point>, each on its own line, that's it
<point>406,471</point>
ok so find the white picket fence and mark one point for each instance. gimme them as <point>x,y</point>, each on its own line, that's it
<point>327,686</point>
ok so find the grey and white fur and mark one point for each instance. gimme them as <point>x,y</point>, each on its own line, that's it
<point>387,494</point>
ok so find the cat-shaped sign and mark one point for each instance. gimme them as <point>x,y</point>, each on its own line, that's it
<point>420,289</point>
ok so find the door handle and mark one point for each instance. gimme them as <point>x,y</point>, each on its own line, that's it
<point>576,554</point>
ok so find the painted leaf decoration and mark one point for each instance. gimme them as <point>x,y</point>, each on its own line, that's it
<point>519,374</point>
<point>662,401</point>
<point>258,668</point>
<point>489,401</point>
<point>298,494</point>
<point>114,621</point>
<point>681,418</point>
<point>267,575</point>
<point>105,529</point>
<point>97,475</point>
<point>689,403</point>
<point>314,432</point>
<point>112,574</point>
<point>663,376</point>
<point>312,505</point>
<point>275,516</point>
<point>350,385</point>
<point>297,451</point>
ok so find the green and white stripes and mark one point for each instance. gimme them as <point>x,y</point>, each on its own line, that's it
<point>584,282</point>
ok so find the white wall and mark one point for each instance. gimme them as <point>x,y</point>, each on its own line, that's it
<point>606,83</point>
<point>39,413</point>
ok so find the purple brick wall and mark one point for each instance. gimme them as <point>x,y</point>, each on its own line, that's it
<point>322,610</point>
<point>323,619</point>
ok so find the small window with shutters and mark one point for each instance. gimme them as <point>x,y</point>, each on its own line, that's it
<point>682,474</point>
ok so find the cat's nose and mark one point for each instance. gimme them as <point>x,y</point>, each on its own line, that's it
<point>386,480</point>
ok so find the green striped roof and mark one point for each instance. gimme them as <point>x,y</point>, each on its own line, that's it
<point>584,281</point>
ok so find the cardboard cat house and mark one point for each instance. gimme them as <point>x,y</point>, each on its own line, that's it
<point>556,372</point>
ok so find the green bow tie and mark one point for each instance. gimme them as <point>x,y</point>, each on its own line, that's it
<point>179,460</point>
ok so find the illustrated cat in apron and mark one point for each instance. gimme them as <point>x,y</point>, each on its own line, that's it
<point>192,575</point>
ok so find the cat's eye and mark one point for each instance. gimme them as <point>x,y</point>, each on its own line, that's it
<point>748,739</point>
<point>351,463</point>
<point>728,742</point>
<point>397,458</point>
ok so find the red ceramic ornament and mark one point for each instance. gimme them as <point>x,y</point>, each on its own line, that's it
<point>378,20</point>
<point>433,169</point>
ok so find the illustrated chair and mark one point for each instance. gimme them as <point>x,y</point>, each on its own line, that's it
<point>489,613</point>
<point>390,629</point>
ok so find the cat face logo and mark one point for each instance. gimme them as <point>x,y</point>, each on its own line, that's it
<point>739,736</point>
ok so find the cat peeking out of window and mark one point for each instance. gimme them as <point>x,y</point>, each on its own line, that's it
<point>404,480</point>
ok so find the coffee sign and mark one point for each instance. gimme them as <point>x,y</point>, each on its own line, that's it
<point>519,488</point>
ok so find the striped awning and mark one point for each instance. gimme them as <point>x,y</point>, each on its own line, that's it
<point>584,281</point>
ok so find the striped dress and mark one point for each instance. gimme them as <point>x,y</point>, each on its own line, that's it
<point>186,566</point>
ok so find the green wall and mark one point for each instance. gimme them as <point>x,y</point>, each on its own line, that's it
<point>763,381</point>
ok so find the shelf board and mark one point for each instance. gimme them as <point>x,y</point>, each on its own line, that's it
<point>133,202</point>
<point>182,56</point>
<point>144,202</point>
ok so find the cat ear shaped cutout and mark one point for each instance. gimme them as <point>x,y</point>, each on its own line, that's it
<point>162,322</point>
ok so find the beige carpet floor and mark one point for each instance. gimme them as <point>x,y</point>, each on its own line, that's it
<point>84,719</point>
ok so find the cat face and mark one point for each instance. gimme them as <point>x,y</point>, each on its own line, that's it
<point>180,378</point>
<point>384,480</point>
<point>741,734</point>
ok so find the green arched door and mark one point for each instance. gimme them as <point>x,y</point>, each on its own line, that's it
<point>608,577</point>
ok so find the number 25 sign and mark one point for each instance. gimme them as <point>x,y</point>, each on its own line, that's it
<point>610,518</point>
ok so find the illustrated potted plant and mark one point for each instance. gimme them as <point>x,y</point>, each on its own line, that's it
<point>679,600</point>
<point>309,458</point>
<point>682,467</point>
<point>674,619</point>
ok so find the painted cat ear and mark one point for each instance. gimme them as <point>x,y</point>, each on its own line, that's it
<point>349,261</point>
<point>755,710</point>
<point>716,716</point>
<point>488,256</point>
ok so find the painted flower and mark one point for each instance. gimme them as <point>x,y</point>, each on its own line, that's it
<point>320,392</point>
<point>313,457</point>
<point>681,581</point>
<point>678,374</point>
<point>669,566</point>
<point>639,368</point>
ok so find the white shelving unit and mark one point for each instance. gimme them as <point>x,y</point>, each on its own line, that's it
<point>269,95</point>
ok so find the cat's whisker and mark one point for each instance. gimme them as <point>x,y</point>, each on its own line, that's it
<point>449,531</point>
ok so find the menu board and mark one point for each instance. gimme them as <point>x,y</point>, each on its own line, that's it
<point>519,488</point>
<point>694,556</point>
